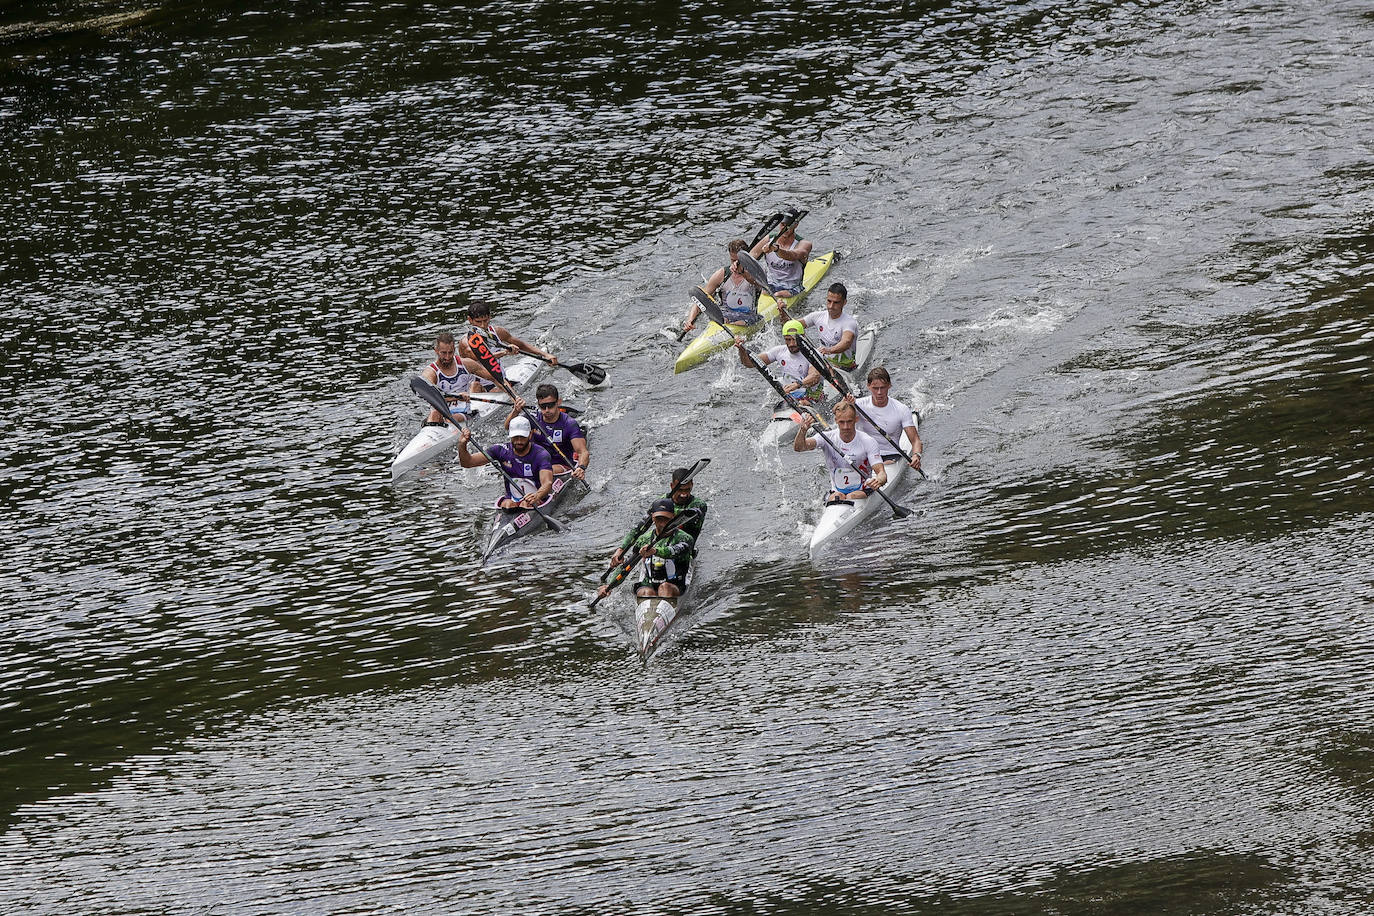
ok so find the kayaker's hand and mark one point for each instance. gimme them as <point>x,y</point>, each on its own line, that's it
<point>690,326</point>
<point>916,461</point>
<point>602,591</point>
<point>806,421</point>
<point>848,398</point>
<point>645,552</point>
<point>739,343</point>
<point>553,360</point>
<point>870,484</point>
<point>528,502</point>
<point>618,557</point>
<point>463,436</point>
<point>792,386</point>
<point>578,473</point>
<point>518,404</point>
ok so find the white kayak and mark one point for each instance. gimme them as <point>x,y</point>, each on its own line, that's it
<point>653,617</point>
<point>839,518</point>
<point>782,426</point>
<point>432,441</point>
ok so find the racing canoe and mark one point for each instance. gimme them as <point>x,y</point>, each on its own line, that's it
<point>431,442</point>
<point>653,617</point>
<point>714,337</point>
<point>839,518</point>
<point>510,524</point>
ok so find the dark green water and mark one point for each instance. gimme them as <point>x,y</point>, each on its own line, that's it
<point>1118,662</point>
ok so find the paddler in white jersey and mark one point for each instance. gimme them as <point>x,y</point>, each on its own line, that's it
<point>840,447</point>
<point>738,296</point>
<point>837,328</point>
<point>785,258</point>
<point>481,335</point>
<point>799,377</point>
<point>891,414</point>
<point>453,377</point>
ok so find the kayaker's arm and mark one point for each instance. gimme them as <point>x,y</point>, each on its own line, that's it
<point>745,359</point>
<point>466,458</point>
<point>879,477</point>
<point>539,495</point>
<point>916,446</point>
<point>583,456</point>
<point>519,345</point>
<point>845,342</point>
<point>801,442</point>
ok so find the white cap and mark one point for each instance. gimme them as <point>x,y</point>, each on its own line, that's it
<point>519,427</point>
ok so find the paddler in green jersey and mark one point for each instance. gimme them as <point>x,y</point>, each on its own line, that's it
<point>684,501</point>
<point>664,557</point>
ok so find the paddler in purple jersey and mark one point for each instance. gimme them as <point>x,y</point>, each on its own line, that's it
<point>555,431</point>
<point>523,461</point>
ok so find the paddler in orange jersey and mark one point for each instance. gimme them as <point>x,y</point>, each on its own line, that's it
<point>484,342</point>
<point>453,377</point>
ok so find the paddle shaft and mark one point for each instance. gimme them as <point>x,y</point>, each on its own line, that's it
<point>644,523</point>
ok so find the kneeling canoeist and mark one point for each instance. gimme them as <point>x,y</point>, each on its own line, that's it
<point>838,329</point>
<point>738,295</point>
<point>452,376</point>
<point>556,431</point>
<point>665,563</point>
<point>485,343</point>
<point>527,464</point>
<point>849,447</point>
<point>800,377</point>
<point>891,414</point>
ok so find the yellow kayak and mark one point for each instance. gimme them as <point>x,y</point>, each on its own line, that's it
<point>713,338</point>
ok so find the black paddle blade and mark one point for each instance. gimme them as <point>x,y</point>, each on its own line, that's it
<point>592,375</point>
<point>899,511</point>
<point>755,271</point>
<point>708,305</point>
<point>432,396</point>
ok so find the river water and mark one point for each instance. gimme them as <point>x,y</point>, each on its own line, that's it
<point>1118,660</point>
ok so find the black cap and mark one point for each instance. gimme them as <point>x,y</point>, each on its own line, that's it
<point>663,505</point>
<point>789,216</point>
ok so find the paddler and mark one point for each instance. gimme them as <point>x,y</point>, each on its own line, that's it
<point>527,464</point>
<point>891,414</point>
<point>737,294</point>
<point>800,377</point>
<point>784,256</point>
<point>453,377</point>
<point>485,343</point>
<point>684,501</point>
<point>842,448</point>
<point>837,328</point>
<point>556,431</point>
<point>664,563</point>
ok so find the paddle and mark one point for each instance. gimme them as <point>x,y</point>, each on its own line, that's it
<point>645,522</point>
<point>435,398</point>
<point>591,374</point>
<point>758,275</point>
<point>832,375</point>
<point>623,570</point>
<point>767,227</point>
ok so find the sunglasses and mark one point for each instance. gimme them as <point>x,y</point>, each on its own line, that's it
<point>546,405</point>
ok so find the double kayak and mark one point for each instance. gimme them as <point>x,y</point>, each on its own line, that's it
<point>782,426</point>
<point>432,441</point>
<point>653,617</point>
<point>713,338</point>
<point>510,524</point>
<point>841,517</point>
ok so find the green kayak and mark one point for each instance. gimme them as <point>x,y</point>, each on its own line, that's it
<point>713,338</point>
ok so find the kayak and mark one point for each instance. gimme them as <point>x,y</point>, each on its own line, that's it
<point>840,518</point>
<point>509,524</point>
<point>433,441</point>
<point>782,425</point>
<point>653,617</point>
<point>714,337</point>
